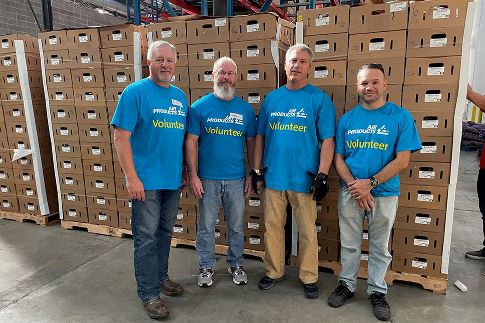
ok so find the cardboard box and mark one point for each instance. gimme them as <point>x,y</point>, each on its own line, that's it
<point>187,212</point>
<point>328,46</point>
<point>254,204</point>
<point>83,38</point>
<point>434,123</point>
<point>31,205</point>
<point>119,77</point>
<point>426,173</point>
<point>254,97</point>
<point>65,132</point>
<point>254,240</point>
<point>328,230</point>
<point>328,73</point>
<point>196,94</point>
<point>438,42</point>
<point>207,31</point>
<point>173,32</point>
<point>439,70</point>
<point>328,250</point>
<point>102,216</point>
<point>75,213</point>
<point>181,77</point>
<point>87,78</point>
<point>7,175</point>
<point>93,167</point>
<point>416,263</point>
<point>220,234</point>
<point>430,97</point>
<point>377,45</point>
<point>121,35</point>
<point>92,115</point>
<point>437,13</point>
<point>258,52</point>
<point>118,57</point>
<point>16,95</point>
<point>427,197</point>
<point>336,93</point>
<point>102,201</point>
<point>57,60</point>
<point>58,78</point>
<point>14,111</point>
<point>420,219</point>
<point>73,199</point>
<point>393,94</point>
<point>207,54</point>
<point>73,165</point>
<point>72,183</point>
<point>61,97</point>
<point>5,159</point>
<point>261,26</point>
<point>27,162</point>
<point>20,130</point>
<point>379,17</point>
<point>124,219</point>
<point>184,230</point>
<point>121,190</point>
<point>95,151</point>
<point>435,149</point>
<point>85,58</point>
<point>94,133</point>
<point>7,188</point>
<point>254,221</point>
<point>329,20</point>
<point>63,114</point>
<point>182,55</point>
<point>201,77</point>
<point>221,220</point>
<point>113,95</point>
<point>10,79</point>
<point>100,185</point>
<point>9,203</point>
<point>123,204</point>
<point>117,169</point>
<point>53,40</point>
<point>92,97</point>
<point>25,176</point>
<point>30,191</point>
<point>327,210</point>
<point>261,76</point>
<point>393,68</point>
<point>7,43</point>
<point>8,62</point>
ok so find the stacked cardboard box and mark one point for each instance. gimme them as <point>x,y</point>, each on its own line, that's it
<point>27,183</point>
<point>85,71</point>
<point>433,59</point>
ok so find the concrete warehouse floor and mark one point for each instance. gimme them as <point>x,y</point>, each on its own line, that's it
<point>52,275</point>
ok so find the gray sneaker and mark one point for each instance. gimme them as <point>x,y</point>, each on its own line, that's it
<point>238,274</point>
<point>205,277</point>
<point>478,254</point>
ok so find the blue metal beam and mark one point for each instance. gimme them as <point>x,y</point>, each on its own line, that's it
<point>230,8</point>
<point>312,4</point>
<point>169,9</point>
<point>204,8</point>
<point>266,5</point>
<point>136,12</point>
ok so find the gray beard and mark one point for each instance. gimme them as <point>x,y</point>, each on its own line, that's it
<point>223,92</point>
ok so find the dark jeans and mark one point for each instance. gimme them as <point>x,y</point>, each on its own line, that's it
<point>481,197</point>
<point>152,225</point>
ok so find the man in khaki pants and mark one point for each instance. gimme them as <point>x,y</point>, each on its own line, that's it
<point>293,120</point>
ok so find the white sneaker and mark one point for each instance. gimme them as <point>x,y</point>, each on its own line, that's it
<point>238,274</point>
<point>205,277</point>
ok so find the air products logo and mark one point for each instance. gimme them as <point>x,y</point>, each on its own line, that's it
<point>292,113</point>
<point>234,118</point>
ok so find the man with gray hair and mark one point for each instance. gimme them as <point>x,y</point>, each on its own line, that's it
<point>219,126</point>
<point>293,121</point>
<point>149,124</point>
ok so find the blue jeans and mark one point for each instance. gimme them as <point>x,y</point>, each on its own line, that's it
<point>152,225</point>
<point>381,220</point>
<point>230,195</point>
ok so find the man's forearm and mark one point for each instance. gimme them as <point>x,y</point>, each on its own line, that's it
<point>342,169</point>
<point>476,98</point>
<point>125,156</point>
<point>326,155</point>
<point>191,148</point>
<point>258,151</point>
<point>250,151</point>
<point>394,167</point>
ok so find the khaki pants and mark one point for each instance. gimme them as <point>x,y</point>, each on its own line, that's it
<point>305,212</point>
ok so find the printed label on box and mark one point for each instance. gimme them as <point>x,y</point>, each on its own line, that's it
<point>207,78</point>
<point>55,61</point>
<point>121,78</point>
<point>173,78</point>
<point>3,176</point>
<point>19,129</point>
<point>364,257</point>
<point>252,28</point>
<point>5,44</point>
<point>57,78</point>
<point>26,178</point>
<point>10,79</point>
<point>422,220</point>
<point>430,124</point>
<point>209,55</point>
<point>436,70</point>
<point>24,161</point>
<point>319,208</point>
<point>419,264</point>
<point>252,52</point>
<point>377,46</point>
<point>85,59</point>
<point>322,19</point>
<point>91,115</point>
<point>30,207</point>
<point>429,150</point>
<point>16,113</point>
<point>398,6</point>
<point>319,48</point>
<point>7,62</point>
<point>425,197</point>
<point>119,57</point>
<point>93,133</point>
<point>427,174</point>
<point>421,242</point>
<point>20,146</point>
<point>129,204</point>
<point>180,216</point>
<point>83,39</point>
<point>102,217</point>
<point>99,185</point>
<point>254,99</point>
<point>166,33</point>
<point>320,74</point>
<point>319,228</point>
<point>365,236</point>
<point>252,225</point>
<point>53,41</point>
<point>13,96</point>
<point>217,235</point>
<point>441,13</point>
<point>96,151</point>
<point>101,201</point>
<point>69,181</point>
<point>178,230</point>
<point>254,203</point>
<point>253,77</point>
<point>4,189</point>
<point>64,132</point>
<point>438,42</point>
<point>72,213</point>
<point>59,96</point>
<point>6,204</point>
<point>253,240</point>
<point>67,165</point>
<point>89,97</point>
<point>98,168</point>
<point>432,97</point>
<point>117,36</point>
<point>71,197</point>
<point>87,78</point>
<point>219,22</point>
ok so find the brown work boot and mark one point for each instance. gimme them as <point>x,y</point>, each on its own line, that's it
<point>170,288</point>
<point>156,309</point>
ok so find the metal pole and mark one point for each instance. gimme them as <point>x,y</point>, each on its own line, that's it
<point>136,12</point>
<point>230,8</point>
<point>47,15</point>
<point>204,8</point>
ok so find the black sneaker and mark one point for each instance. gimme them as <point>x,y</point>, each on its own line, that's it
<point>339,296</point>
<point>381,309</point>
<point>479,254</point>
<point>310,290</point>
<point>266,282</point>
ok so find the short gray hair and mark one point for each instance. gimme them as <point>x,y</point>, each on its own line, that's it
<point>158,44</point>
<point>222,60</point>
<point>298,47</point>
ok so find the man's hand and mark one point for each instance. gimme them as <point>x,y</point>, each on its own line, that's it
<point>135,189</point>
<point>366,203</point>
<point>359,188</point>
<point>247,186</point>
<point>185,178</point>
<point>196,186</point>
<point>257,180</point>
<point>319,186</point>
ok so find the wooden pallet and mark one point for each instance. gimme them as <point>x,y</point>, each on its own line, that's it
<point>97,229</point>
<point>44,220</point>
<point>219,249</point>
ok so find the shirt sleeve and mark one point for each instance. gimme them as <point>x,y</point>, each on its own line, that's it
<point>326,118</point>
<point>126,114</point>
<point>408,137</point>
<point>194,121</point>
<point>263,118</point>
<point>340,137</point>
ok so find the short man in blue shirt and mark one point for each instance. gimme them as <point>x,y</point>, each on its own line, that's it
<point>149,132</point>
<point>294,119</point>
<point>374,142</point>
<point>219,126</point>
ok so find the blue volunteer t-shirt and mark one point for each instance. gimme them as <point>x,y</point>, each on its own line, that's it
<point>293,122</point>
<point>156,118</point>
<point>222,127</point>
<point>368,140</point>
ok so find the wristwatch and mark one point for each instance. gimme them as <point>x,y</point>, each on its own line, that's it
<point>257,171</point>
<point>373,181</point>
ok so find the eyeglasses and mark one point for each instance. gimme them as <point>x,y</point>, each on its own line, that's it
<point>224,73</point>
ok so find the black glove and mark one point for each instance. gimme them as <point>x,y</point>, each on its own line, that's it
<point>319,186</point>
<point>256,179</point>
